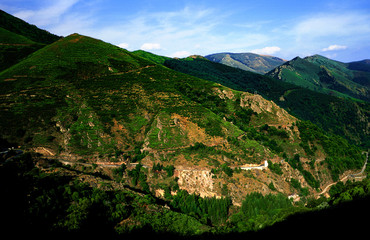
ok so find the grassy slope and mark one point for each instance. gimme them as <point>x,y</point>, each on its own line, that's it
<point>14,47</point>
<point>152,57</point>
<point>18,39</point>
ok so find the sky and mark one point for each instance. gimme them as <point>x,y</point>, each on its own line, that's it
<point>337,29</point>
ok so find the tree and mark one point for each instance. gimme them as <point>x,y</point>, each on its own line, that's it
<point>170,170</point>
<point>226,169</point>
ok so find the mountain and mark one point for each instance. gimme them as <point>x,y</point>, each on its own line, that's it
<point>327,76</point>
<point>247,61</point>
<point>18,39</point>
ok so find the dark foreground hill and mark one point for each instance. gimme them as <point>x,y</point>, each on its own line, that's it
<point>54,203</point>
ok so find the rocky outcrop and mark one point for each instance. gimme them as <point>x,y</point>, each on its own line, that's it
<point>196,181</point>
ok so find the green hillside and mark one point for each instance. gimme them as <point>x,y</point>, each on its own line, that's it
<point>18,39</point>
<point>8,37</point>
<point>14,47</point>
<point>324,75</point>
<point>152,57</point>
<point>336,115</point>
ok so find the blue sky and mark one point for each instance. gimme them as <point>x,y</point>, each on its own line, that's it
<point>337,29</point>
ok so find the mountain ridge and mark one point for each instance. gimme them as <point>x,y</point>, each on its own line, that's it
<point>324,75</point>
<point>247,61</point>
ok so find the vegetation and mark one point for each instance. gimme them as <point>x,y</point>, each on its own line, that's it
<point>295,163</point>
<point>342,156</point>
<point>259,211</point>
<point>46,204</point>
<point>350,191</point>
<point>150,56</point>
<point>208,210</point>
<point>92,94</point>
<point>275,167</point>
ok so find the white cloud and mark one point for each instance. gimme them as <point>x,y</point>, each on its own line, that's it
<point>181,54</point>
<point>194,29</point>
<point>199,30</point>
<point>266,50</point>
<point>334,48</point>
<point>333,24</point>
<point>123,45</point>
<point>310,33</point>
<point>344,24</point>
<point>150,46</point>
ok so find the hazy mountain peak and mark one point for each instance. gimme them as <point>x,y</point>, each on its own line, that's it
<point>247,61</point>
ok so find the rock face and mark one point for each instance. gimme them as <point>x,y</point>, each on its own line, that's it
<point>196,181</point>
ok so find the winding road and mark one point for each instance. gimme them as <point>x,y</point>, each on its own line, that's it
<point>345,177</point>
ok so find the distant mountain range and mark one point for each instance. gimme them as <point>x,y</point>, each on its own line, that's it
<point>247,61</point>
<point>318,73</point>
